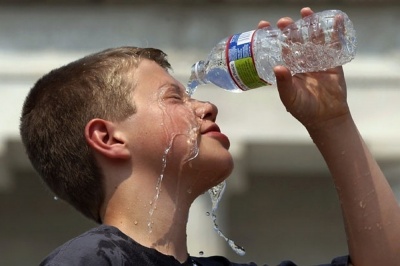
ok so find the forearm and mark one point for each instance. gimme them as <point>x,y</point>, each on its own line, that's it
<point>371,213</point>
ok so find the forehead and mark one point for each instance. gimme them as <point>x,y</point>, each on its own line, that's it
<point>150,76</point>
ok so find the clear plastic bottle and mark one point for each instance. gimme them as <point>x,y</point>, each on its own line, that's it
<point>246,60</point>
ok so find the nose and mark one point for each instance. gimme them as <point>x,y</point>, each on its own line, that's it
<point>207,110</point>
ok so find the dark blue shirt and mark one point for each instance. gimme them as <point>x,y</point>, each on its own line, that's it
<point>106,245</point>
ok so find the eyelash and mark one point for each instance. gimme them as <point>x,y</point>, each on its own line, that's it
<point>176,95</point>
<point>176,98</point>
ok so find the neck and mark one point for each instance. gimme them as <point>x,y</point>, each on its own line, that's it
<point>155,223</point>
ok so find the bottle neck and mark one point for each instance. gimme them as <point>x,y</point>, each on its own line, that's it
<point>198,70</point>
<point>197,77</point>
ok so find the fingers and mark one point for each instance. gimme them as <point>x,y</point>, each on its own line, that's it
<point>306,11</point>
<point>285,21</point>
<point>263,24</point>
<point>315,31</point>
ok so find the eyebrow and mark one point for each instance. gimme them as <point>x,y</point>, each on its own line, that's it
<point>173,87</point>
<point>177,88</point>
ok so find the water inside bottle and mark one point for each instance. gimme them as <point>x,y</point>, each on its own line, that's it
<point>311,58</point>
<point>195,80</point>
<point>213,70</point>
<point>315,43</point>
<point>319,42</point>
<point>217,76</point>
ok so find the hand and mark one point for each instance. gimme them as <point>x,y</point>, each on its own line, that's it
<point>312,98</point>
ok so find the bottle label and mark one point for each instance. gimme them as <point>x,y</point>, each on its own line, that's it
<point>241,63</point>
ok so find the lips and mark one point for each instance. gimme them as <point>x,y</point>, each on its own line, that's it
<point>214,131</point>
<point>212,128</point>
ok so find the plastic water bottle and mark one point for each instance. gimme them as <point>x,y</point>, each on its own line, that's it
<point>246,60</point>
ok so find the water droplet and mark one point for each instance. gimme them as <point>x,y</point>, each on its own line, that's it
<point>150,227</point>
<point>201,253</point>
<point>207,213</point>
<point>135,222</point>
<point>55,198</point>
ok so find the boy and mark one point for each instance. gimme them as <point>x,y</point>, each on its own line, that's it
<point>116,136</point>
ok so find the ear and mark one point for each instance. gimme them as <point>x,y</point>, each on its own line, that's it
<point>104,137</point>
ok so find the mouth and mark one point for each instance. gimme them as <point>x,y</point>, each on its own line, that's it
<point>215,132</point>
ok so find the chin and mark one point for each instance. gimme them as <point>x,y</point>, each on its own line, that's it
<point>205,174</point>
<point>227,170</point>
<point>220,172</point>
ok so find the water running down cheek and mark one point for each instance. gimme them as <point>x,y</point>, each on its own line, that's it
<point>192,124</point>
<point>173,133</point>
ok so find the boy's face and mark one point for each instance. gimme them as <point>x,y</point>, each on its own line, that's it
<point>174,135</point>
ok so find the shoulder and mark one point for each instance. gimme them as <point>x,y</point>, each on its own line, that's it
<point>98,246</point>
<point>106,245</point>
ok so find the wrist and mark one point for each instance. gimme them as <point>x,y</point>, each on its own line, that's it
<point>331,128</point>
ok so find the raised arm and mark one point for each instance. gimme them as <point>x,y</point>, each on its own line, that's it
<point>370,210</point>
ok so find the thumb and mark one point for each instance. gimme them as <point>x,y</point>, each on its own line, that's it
<point>284,84</point>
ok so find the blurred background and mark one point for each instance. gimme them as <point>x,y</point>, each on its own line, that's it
<point>280,202</point>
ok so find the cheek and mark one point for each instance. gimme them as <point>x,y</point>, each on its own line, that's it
<point>181,118</point>
<point>181,129</point>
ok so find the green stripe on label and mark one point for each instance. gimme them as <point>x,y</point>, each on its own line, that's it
<point>248,73</point>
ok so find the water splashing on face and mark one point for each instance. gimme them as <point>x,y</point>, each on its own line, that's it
<point>173,132</point>
<point>193,152</point>
<point>216,193</point>
<point>192,142</point>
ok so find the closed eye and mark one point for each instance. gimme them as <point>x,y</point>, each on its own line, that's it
<point>175,92</point>
<point>176,98</point>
